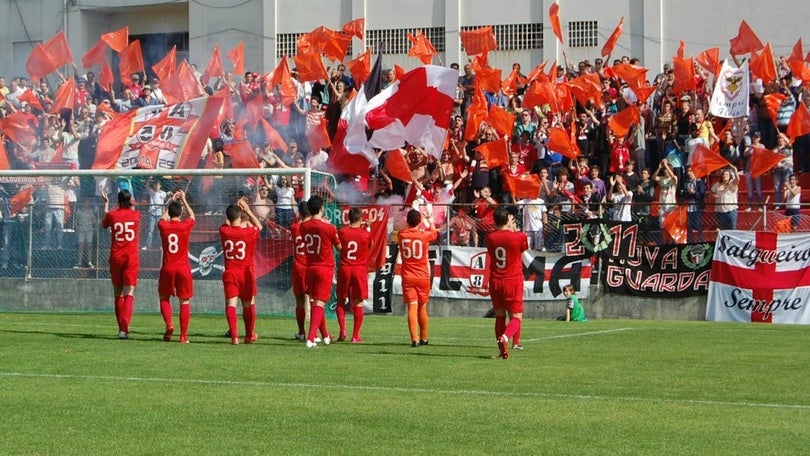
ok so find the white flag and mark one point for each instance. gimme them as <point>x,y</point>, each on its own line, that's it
<point>730,95</point>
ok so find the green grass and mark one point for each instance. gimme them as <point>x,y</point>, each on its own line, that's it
<point>67,386</point>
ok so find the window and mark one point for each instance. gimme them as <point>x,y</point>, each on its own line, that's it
<point>583,34</point>
<point>515,37</point>
<point>395,41</point>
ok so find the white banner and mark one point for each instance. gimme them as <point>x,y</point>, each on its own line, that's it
<point>760,277</point>
<point>463,273</point>
<point>730,95</point>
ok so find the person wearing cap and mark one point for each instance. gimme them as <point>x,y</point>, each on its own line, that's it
<point>134,84</point>
<point>149,98</point>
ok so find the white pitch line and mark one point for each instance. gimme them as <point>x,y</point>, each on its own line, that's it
<point>592,333</point>
<point>406,390</point>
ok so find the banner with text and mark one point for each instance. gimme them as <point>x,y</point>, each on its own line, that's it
<point>760,277</point>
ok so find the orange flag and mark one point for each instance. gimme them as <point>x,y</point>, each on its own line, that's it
<point>501,120</point>
<point>214,67</point>
<point>117,40</point>
<point>131,59</point>
<point>675,224</point>
<point>105,77</point>
<point>29,97</point>
<point>65,97</point>
<point>355,27</point>
<point>58,49</point>
<point>643,93</point>
<point>763,160</point>
<point>275,141</point>
<point>21,199</point>
<point>681,49</point>
<point>165,68</point>
<point>710,60</point>
<point>329,42</point>
<point>478,41</point>
<point>182,86</point>
<point>799,123</point>
<point>421,47</point>
<point>398,72</point>
<point>17,128</point>
<point>634,76</point>
<point>684,71</point>
<point>554,18</point>
<point>797,55</point>
<point>772,103</point>
<point>310,67</point>
<point>397,166</point>
<point>360,67</point>
<point>746,40</point>
<point>562,96</point>
<point>523,186</point>
<point>489,79</point>
<point>282,77</point>
<point>242,155</point>
<point>96,55</point>
<point>586,87</point>
<point>318,137</point>
<point>560,141</point>
<point>705,161</point>
<point>762,65</point>
<point>4,163</point>
<point>509,85</point>
<point>496,152</point>
<point>39,63</point>
<point>108,111</point>
<point>610,44</point>
<point>621,122</point>
<point>476,113</point>
<point>237,56</point>
<point>539,93</point>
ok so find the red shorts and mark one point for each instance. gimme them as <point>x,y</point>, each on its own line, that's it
<point>124,271</point>
<point>239,283</point>
<point>417,291</point>
<point>176,282</point>
<point>319,282</point>
<point>299,280</point>
<point>352,283</point>
<point>506,295</point>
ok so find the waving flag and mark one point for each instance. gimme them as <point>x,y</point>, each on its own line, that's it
<point>131,59</point>
<point>39,63</point>
<point>214,67</point>
<point>360,67</point>
<point>476,113</point>
<point>523,186</point>
<point>762,65</point>
<point>237,57</point>
<point>501,120</point>
<point>397,166</point>
<point>182,86</point>
<point>96,55</point>
<point>478,41</point>
<point>17,128</point>
<point>242,155</point>
<point>328,42</point>
<point>746,40</point>
<point>105,77</point>
<point>763,160</point>
<point>58,49</point>
<point>710,60</point>
<point>560,141</point>
<point>730,95</point>
<point>496,152</point>
<point>684,70</point>
<point>166,67</point>
<point>421,47</point>
<point>705,161</point>
<point>355,27</point>
<point>310,67</point>
<point>554,18</point>
<point>610,44</point>
<point>772,103</point>
<point>117,40</point>
<point>799,123</point>
<point>621,122</point>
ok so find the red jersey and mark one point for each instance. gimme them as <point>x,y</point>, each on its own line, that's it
<point>124,227</point>
<point>413,250</point>
<point>299,252</point>
<point>356,242</point>
<point>505,249</point>
<point>320,237</point>
<point>238,245</point>
<point>174,237</point>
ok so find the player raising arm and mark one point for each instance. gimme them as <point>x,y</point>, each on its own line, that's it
<point>175,272</point>
<point>124,223</point>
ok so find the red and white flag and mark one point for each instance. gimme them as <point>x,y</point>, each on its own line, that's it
<point>730,95</point>
<point>415,109</point>
<point>760,277</point>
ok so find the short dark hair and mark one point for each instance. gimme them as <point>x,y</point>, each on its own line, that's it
<point>414,218</point>
<point>355,214</point>
<point>175,209</point>
<point>501,216</point>
<point>124,199</point>
<point>315,204</point>
<point>303,209</point>
<point>233,213</point>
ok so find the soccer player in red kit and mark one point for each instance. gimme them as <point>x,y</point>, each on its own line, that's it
<point>413,252</point>
<point>320,238</point>
<point>175,272</point>
<point>352,280</point>
<point>299,271</point>
<point>239,235</point>
<point>505,247</point>
<point>124,223</point>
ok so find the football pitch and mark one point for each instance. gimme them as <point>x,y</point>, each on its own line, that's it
<point>69,387</point>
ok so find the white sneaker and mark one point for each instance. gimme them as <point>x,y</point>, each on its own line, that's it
<point>311,344</point>
<point>327,340</point>
<point>300,337</point>
<point>317,340</point>
<point>123,335</point>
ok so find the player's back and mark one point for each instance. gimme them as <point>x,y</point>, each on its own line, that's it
<point>124,225</point>
<point>320,238</point>
<point>413,251</point>
<point>505,249</point>
<point>238,245</point>
<point>174,238</point>
<point>299,249</point>
<point>356,246</point>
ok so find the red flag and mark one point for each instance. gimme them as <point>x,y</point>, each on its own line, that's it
<point>684,71</point>
<point>501,120</point>
<point>330,43</point>
<point>112,140</point>
<point>117,40</point>
<point>489,79</point>
<point>214,67</point>
<point>237,56</point>
<point>643,93</point>
<point>496,152</point>
<point>165,68</point>
<point>559,141</point>
<point>17,128</point>
<point>274,140</point>
<point>242,155</point>
<point>360,67</point>
<point>705,161</point>
<point>610,44</point>
<point>4,163</point>
<point>58,49</point>
<point>763,160</point>
<point>675,224</point>
<point>182,86</point>
<point>799,123</point>
<point>554,18</point>
<point>96,55</point>
<point>106,109</point>
<point>21,199</point>
<point>772,103</point>
<point>65,97</point>
<point>562,96</point>
<point>710,60</point>
<point>397,166</point>
<point>797,55</point>
<point>398,72</point>
<point>58,155</point>
<point>303,44</point>
<point>131,59</point>
<point>476,113</point>
<point>539,93</point>
<point>634,76</point>
<point>523,186</point>
<point>318,137</point>
<point>538,72</point>
<point>310,67</point>
<point>421,47</point>
<point>355,27</point>
<point>478,41</point>
<point>746,40</point>
<point>586,87</point>
<point>621,122</point>
<point>681,49</point>
<point>762,65</point>
<point>105,77</point>
<point>29,97</point>
<point>39,63</point>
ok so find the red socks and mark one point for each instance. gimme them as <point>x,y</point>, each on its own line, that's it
<point>359,313</point>
<point>166,312</point>
<point>119,312</point>
<point>512,328</point>
<point>249,317</point>
<point>129,308</point>
<point>230,315</point>
<point>300,318</point>
<point>500,326</point>
<point>185,316</point>
<point>340,311</point>
<point>316,317</point>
